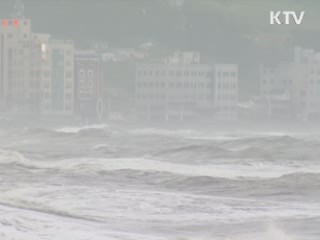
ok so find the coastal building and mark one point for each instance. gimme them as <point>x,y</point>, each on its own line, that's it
<point>16,47</point>
<point>88,82</point>
<point>225,91</point>
<point>293,88</point>
<point>173,91</point>
<point>36,71</point>
<point>186,90</point>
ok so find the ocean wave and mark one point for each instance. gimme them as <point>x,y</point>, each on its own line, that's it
<point>85,131</point>
<point>194,152</point>
<point>235,171</point>
<point>165,132</point>
<point>79,129</point>
<point>266,148</point>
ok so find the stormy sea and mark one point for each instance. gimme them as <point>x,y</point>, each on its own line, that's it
<point>104,182</point>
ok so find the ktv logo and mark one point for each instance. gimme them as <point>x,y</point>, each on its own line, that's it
<point>286,17</point>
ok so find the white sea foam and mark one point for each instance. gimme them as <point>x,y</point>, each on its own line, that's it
<point>271,232</point>
<point>78,129</point>
<point>232,171</point>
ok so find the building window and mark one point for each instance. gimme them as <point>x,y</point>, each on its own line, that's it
<point>68,84</point>
<point>46,84</point>
<point>68,96</point>
<point>46,74</point>
<point>68,52</point>
<point>81,73</point>
<point>68,74</point>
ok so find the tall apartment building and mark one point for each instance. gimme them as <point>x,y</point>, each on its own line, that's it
<point>225,91</point>
<point>59,95</point>
<point>16,47</point>
<point>294,86</point>
<point>88,82</point>
<point>184,91</point>
<point>36,71</point>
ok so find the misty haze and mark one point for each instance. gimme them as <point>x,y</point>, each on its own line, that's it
<point>159,120</point>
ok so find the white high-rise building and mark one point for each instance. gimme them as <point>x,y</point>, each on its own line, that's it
<point>36,72</point>
<point>16,50</point>
<point>57,77</point>
<point>225,91</point>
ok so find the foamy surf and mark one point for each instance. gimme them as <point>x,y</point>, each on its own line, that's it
<point>119,184</point>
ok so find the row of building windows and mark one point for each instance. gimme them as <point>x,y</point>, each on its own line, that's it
<point>288,82</point>
<point>10,36</point>
<point>314,93</point>
<point>227,97</point>
<point>267,81</point>
<point>173,85</point>
<point>47,74</point>
<point>88,74</point>
<point>86,86</point>
<point>172,73</point>
<point>226,108</point>
<point>67,107</point>
<point>68,96</point>
<point>313,81</point>
<point>186,73</point>
<point>163,96</point>
<point>225,74</point>
<point>16,84</point>
<point>178,107</point>
<point>227,85</point>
